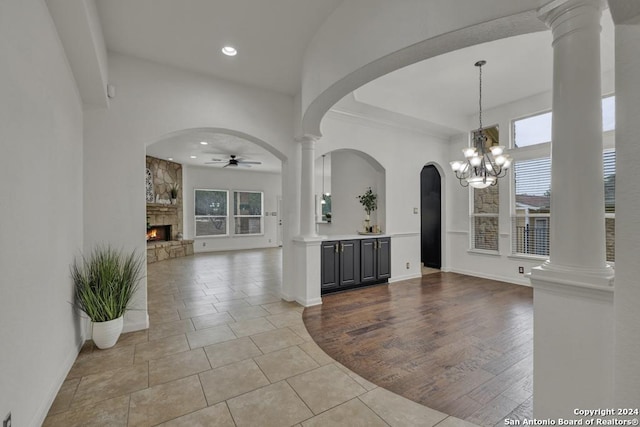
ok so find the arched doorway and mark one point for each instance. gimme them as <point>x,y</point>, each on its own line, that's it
<point>430,221</point>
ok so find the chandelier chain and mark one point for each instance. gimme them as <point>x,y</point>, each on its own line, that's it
<point>480,97</point>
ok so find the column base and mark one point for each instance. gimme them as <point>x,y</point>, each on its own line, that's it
<point>573,342</point>
<point>307,265</point>
<point>549,274</point>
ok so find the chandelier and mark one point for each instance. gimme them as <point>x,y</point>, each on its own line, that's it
<point>482,165</point>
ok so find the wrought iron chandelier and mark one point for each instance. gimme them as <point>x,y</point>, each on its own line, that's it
<point>482,165</point>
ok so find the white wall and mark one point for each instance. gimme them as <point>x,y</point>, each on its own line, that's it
<point>231,179</point>
<point>41,211</point>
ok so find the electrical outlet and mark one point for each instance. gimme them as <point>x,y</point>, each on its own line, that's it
<point>269,240</point>
<point>7,420</point>
<point>408,265</point>
<point>521,270</point>
<point>415,211</point>
<point>204,244</point>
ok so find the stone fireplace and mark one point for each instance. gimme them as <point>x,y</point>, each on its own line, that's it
<point>164,216</point>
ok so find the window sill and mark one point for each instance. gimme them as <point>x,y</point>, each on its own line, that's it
<point>483,252</point>
<point>540,258</point>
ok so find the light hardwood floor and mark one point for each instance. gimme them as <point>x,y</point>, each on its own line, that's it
<point>459,344</point>
<point>224,350</point>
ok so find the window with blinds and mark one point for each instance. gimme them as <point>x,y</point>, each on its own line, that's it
<point>530,225</point>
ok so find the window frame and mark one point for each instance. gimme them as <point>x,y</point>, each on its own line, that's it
<point>196,217</point>
<point>473,215</point>
<point>537,151</point>
<point>238,216</point>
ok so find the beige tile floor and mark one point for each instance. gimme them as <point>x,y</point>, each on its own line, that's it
<point>223,350</point>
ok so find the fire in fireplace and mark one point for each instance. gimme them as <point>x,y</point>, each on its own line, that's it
<point>159,233</point>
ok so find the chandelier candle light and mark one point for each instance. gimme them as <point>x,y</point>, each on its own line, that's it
<point>482,166</point>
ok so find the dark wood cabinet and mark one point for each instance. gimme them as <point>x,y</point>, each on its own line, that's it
<point>375,260</point>
<point>350,263</point>
<point>340,264</point>
<point>330,265</point>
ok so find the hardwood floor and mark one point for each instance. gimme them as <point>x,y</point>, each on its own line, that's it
<point>459,344</point>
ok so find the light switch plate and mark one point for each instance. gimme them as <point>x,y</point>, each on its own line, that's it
<point>415,211</point>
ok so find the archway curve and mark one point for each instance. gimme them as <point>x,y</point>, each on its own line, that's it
<point>314,107</point>
<point>261,143</point>
<point>379,167</point>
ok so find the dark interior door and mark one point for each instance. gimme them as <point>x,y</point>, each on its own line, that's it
<point>430,212</point>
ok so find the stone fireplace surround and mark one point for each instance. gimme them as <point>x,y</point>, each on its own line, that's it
<point>164,174</point>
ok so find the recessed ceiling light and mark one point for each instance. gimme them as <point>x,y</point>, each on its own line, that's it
<point>229,51</point>
<point>204,143</point>
<point>194,157</point>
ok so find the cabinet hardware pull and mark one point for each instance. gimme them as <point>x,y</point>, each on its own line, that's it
<point>336,248</point>
<point>341,247</point>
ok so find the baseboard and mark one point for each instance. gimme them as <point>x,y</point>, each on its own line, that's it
<point>405,277</point>
<point>523,282</point>
<point>286,297</point>
<point>138,324</point>
<point>41,413</point>
<point>310,302</point>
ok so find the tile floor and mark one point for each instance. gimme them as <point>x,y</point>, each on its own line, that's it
<point>223,350</point>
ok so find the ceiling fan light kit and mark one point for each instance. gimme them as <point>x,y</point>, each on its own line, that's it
<point>482,165</point>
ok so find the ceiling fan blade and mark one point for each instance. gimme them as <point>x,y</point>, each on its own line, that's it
<point>246,162</point>
<point>244,165</point>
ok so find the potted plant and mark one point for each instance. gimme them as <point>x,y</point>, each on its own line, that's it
<point>368,200</point>
<point>104,284</point>
<point>173,191</point>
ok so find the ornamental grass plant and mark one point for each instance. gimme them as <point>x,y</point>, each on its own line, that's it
<point>105,282</point>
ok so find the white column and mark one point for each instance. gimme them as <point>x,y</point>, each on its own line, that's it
<point>627,295</point>
<point>573,293</point>
<point>577,189</point>
<point>307,187</point>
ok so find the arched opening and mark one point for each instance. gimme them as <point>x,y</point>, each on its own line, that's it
<point>349,173</point>
<point>228,185</point>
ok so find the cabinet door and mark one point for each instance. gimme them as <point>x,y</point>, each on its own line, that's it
<point>384,258</point>
<point>330,275</point>
<point>368,260</point>
<point>349,262</point>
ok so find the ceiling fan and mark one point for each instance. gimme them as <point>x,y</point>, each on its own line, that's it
<point>233,161</point>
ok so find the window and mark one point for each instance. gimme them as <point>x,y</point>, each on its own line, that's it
<point>530,232</point>
<point>533,205</point>
<point>211,212</point>
<point>609,167</point>
<point>484,217</point>
<point>484,220</point>
<point>536,129</point>
<point>247,212</point>
<point>532,130</point>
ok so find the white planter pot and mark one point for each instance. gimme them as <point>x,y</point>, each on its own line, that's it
<point>106,334</point>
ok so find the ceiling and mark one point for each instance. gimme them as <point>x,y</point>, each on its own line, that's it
<point>271,37</point>
<point>182,146</point>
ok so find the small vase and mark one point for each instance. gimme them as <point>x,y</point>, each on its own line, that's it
<point>106,334</point>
